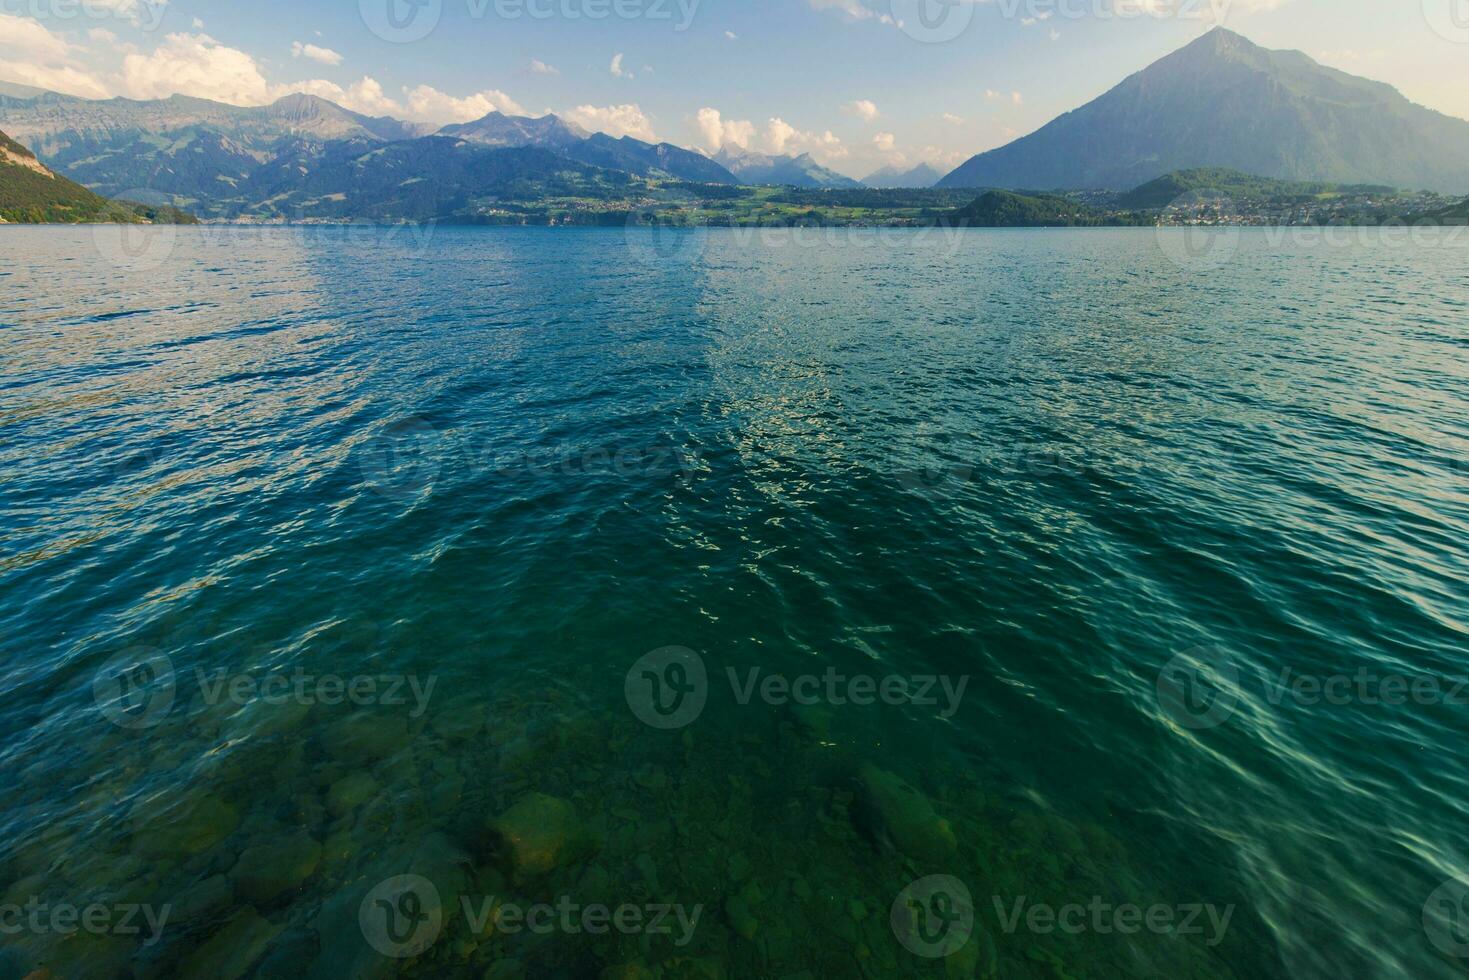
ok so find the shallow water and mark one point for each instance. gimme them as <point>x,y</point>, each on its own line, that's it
<point>1090,492</point>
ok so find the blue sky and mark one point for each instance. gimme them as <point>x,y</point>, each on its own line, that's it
<point>859,83</point>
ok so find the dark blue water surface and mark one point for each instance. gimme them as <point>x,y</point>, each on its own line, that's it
<point>1181,526</point>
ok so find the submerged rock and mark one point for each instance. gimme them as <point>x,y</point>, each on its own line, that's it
<point>287,955</point>
<point>202,899</point>
<point>82,954</point>
<point>816,720</point>
<point>265,872</point>
<point>261,719</point>
<point>897,812</point>
<point>166,825</point>
<point>504,970</point>
<point>343,953</point>
<point>739,866</point>
<point>975,960</point>
<point>350,792</point>
<point>233,950</point>
<point>689,968</point>
<point>538,834</point>
<point>366,736</point>
<point>737,911</point>
<point>628,971</point>
<point>459,721</point>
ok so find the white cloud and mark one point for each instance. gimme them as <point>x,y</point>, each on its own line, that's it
<point>54,78</point>
<point>952,119</point>
<point>325,56</point>
<point>616,67</point>
<point>782,138</point>
<point>538,67</point>
<point>26,38</point>
<point>365,96</point>
<point>195,64</point>
<point>422,103</point>
<point>779,137</point>
<point>32,55</point>
<point>829,147</point>
<point>718,133</point>
<point>944,159</point>
<point>198,24</point>
<point>614,120</point>
<point>779,134</point>
<point>428,104</point>
<point>731,35</point>
<point>993,96</point>
<point>853,10</point>
<point>200,66</point>
<point>863,108</point>
<point>885,142</point>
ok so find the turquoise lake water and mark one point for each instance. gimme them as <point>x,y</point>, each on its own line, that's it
<point>1113,584</point>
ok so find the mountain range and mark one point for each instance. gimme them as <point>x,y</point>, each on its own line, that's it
<point>792,171</point>
<point>30,193</point>
<point>228,161</point>
<point>1220,102</point>
<point>1225,102</point>
<point>923,175</point>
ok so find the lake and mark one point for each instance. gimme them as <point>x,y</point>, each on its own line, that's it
<point>803,603</point>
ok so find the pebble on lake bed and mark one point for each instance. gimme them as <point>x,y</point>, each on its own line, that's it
<point>266,871</point>
<point>538,834</point>
<point>895,810</point>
